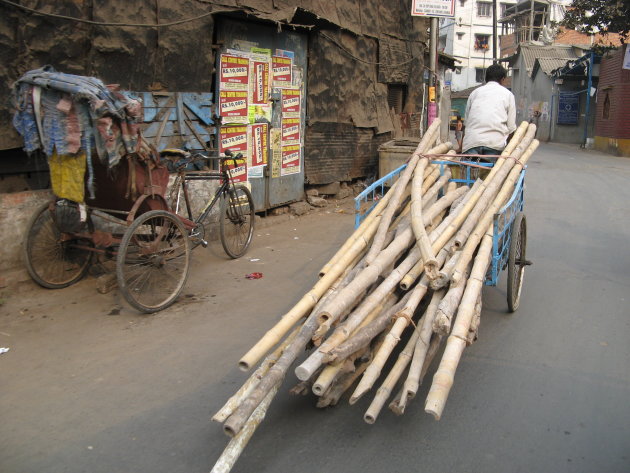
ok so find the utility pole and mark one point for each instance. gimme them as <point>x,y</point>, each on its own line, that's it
<point>495,35</point>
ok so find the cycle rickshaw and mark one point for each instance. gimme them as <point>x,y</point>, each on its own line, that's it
<point>113,204</point>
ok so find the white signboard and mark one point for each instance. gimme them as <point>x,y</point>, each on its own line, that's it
<point>438,8</point>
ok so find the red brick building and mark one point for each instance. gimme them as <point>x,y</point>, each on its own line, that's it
<point>612,122</point>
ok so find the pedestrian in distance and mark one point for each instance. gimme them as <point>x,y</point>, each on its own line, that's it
<point>490,115</point>
<point>459,132</point>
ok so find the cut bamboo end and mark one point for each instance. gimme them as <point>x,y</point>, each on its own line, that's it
<point>431,269</point>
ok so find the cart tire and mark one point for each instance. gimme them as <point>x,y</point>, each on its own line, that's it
<point>53,263</point>
<point>153,261</point>
<point>516,261</point>
<point>236,225</point>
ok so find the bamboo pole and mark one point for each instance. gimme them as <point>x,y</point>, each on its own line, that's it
<point>436,236</point>
<point>434,346</point>
<point>401,320</point>
<point>307,302</point>
<point>473,331</point>
<point>403,360</point>
<point>328,374</point>
<point>435,188</point>
<point>367,223</point>
<point>417,220</point>
<point>310,365</point>
<point>276,373</point>
<point>395,373</point>
<point>370,274</point>
<point>237,444</point>
<point>249,385</point>
<point>486,220</point>
<point>426,141</point>
<point>366,334</point>
<point>444,275</point>
<point>421,347</point>
<point>445,374</point>
<point>447,308</point>
<point>448,229</point>
<point>493,188</point>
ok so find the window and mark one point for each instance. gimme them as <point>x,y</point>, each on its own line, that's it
<point>484,9</point>
<point>396,95</point>
<point>462,2</point>
<point>482,42</point>
<point>480,74</point>
<point>460,36</point>
<point>504,7</point>
<point>606,113</point>
<point>458,69</point>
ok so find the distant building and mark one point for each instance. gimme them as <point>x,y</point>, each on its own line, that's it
<point>612,125</point>
<point>468,38</point>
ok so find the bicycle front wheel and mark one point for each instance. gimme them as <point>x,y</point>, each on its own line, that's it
<point>236,221</point>
<point>55,259</point>
<point>153,261</point>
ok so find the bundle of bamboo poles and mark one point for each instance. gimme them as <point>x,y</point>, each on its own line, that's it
<point>412,271</point>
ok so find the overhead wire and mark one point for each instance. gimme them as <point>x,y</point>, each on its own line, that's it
<point>106,23</point>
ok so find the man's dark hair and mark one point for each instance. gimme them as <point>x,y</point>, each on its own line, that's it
<point>495,73</point>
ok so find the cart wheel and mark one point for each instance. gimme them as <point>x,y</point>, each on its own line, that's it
<point>52,260</point>
<point>516,261</point>
<point>153,261</point>
<point>237,221</point>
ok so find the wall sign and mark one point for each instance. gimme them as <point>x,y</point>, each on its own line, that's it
<point>568,109</point>
<point>438,8</point>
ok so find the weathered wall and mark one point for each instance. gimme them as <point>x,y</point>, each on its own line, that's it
<point>178,57</point>
<point>342,89</point>
<point>15,212</point>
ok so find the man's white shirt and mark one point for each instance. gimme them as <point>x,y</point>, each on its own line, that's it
<point>490,117</point>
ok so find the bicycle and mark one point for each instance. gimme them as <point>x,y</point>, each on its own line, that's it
<point>236,211</point>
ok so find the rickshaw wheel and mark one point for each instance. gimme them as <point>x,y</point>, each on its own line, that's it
<point>55,259</point>
<point>153,261</point>
<point>516,262</point>
<point>236,225</point>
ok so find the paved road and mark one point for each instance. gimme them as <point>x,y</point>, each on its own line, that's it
<point>89,386</point>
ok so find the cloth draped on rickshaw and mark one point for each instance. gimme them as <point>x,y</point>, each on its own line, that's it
<point>66,117</point>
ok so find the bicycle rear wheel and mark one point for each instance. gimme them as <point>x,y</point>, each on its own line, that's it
<point>236,221</point>
<point>153,261</point>
<point>55,259</point>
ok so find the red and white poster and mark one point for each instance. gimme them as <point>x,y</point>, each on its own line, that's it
<point>233,138</point>
<point>234,73</point>
<point>290,131</point>
<point>259,144</point>
<point>238,171</point>
<point>281,71</point>
<point>260,82</point>
<point>290,102</point>
<point>290,160</point>
<point>233,106</point>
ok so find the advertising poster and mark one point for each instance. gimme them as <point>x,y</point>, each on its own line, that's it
<point>290,103</point>
<point>233,138</point>
<point>276,152</point>
<point>290,160</point>
<point>233,106</point>
<point>281,71</point>
<point>259,145</point>
<point>238,171</point>
<point>260,83</point>
<point>234,73</point>
<point>290,131</point>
